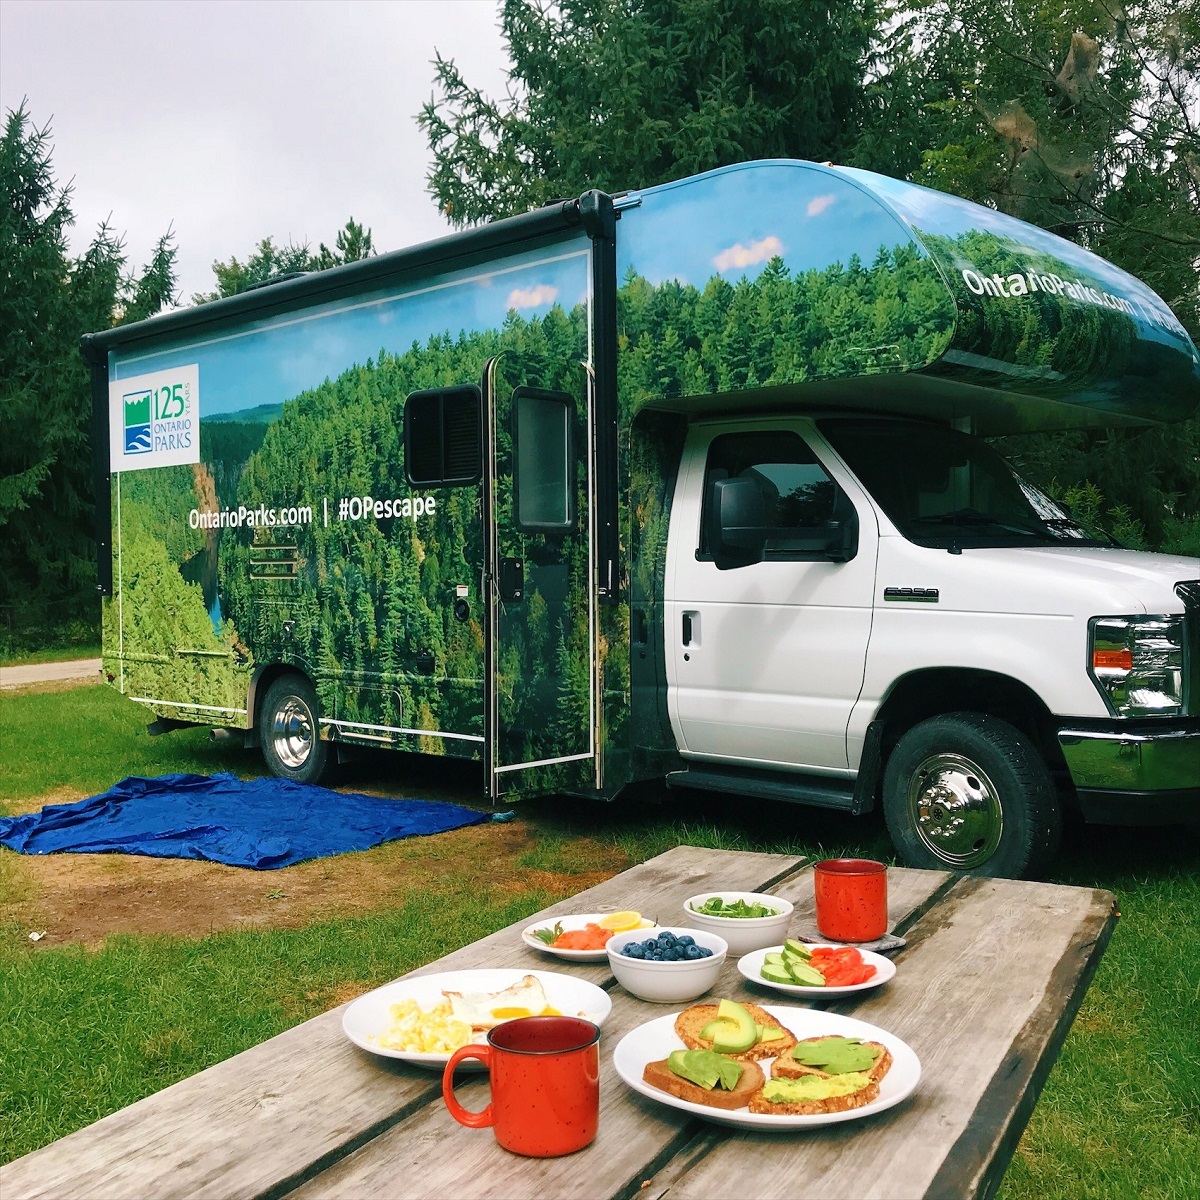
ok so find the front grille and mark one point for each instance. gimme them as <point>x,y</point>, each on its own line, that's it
<point>1189,592</point>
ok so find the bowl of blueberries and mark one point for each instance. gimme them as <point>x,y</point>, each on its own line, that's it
<point>668,964</point>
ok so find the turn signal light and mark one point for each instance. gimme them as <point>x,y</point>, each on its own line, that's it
<point>1120,660</point>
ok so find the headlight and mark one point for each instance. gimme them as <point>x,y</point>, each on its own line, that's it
<point>1137,663</point>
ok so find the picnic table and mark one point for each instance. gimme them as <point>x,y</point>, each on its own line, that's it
<point>988,983</point>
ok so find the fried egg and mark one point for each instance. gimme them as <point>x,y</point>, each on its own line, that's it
<point>486,1010</point>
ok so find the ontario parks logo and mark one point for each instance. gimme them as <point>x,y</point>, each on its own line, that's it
<point>137,423</point>
<point>154,419</point>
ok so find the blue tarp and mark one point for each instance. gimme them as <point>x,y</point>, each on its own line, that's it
<point>260,823</point>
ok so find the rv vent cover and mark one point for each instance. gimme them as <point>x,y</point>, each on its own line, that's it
<point>442,443</point>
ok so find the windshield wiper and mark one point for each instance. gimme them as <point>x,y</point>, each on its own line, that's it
<point>972,516</point>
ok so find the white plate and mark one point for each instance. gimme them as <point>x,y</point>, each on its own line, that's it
<point>369,1015</point>
<point>572,922</point>
<point>656,1039</point>
<point>750,966</point>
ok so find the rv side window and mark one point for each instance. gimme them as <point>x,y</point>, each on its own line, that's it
<point>442,443</point>
<point>542,459</point>
<point>798,491</point>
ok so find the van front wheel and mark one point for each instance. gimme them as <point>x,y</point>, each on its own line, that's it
<point>289,731</point>
<point>968,792</point>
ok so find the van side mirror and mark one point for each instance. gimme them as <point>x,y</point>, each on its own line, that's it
<point>736,523</point>
<point>843,540</point>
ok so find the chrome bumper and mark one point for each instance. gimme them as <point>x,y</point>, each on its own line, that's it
<point>1117,761</point>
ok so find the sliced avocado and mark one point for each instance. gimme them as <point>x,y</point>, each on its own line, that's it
<point>836,1055</point>
<point>744,1033</point>
<point>716,1026</point>
<point>805,975</point>
<point>813,1087</point>
<point>770,1033</point>
<point>797,948</point>
<point>705,1068</point>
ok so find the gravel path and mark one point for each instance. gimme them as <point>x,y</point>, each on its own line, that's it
<point>81,668</point>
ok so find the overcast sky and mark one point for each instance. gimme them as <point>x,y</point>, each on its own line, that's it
<point>231,120</point>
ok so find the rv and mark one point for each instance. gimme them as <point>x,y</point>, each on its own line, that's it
<point>691,482</point>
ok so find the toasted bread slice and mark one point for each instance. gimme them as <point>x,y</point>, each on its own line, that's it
<point>659,1075</point>
<point>786,1067</point>
<point>813,1108</point>
<point>689,1023</point>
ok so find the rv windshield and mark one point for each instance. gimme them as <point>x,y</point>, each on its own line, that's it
<point>947,489</point>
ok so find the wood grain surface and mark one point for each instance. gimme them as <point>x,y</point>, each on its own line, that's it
<point>988,984</point>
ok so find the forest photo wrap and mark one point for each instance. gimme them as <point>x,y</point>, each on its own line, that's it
<point>298,539</point>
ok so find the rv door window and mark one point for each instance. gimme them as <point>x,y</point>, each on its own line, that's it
<point>798,492</point>
<point>542,459</point>
<point>442,442</point>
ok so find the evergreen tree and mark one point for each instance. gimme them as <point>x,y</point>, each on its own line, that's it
<point>268,261</point>
<point>627,93</point>
<point>48,300</point>
<point>1080,117</point>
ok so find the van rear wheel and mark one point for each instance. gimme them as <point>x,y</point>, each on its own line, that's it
<point>289,731</point>
<point>968,792</point>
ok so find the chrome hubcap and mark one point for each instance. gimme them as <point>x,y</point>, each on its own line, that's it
<point>955,809</point>
<point>292,733</point>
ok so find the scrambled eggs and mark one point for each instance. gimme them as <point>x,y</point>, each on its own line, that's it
<point>426,1032</point>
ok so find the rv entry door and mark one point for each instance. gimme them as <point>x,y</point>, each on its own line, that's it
<point>541,643</point>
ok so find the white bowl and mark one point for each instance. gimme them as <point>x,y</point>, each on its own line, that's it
<point>743,933</point>
<point>667,982</point>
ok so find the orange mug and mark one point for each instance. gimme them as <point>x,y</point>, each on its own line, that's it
<point>851,898</point>
<point>545,1079</point>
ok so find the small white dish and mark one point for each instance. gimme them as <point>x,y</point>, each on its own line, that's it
<point>668,982</point>
<point>750,965</point>
<point>567,923</point>
<point>742,933</point>
<point>369,1016</point>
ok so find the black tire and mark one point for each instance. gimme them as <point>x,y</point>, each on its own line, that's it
<point>288,731</point>
<point>968,792</point>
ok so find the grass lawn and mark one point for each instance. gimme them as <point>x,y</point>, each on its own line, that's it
<point>90,1030</point>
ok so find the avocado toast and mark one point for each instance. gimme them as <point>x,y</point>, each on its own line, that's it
<point>742,1030</point>
<point>827,1057</point>
<point>705,1077</point>
<point>816,1076</point>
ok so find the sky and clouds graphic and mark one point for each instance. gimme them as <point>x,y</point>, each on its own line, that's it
<point>743,216</point>
<point>729,223</point>
<point>271,361</point>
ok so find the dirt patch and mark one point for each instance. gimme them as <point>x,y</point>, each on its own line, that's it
<point>84,898</point>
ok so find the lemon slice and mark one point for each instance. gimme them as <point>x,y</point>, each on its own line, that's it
<point>618,922</point>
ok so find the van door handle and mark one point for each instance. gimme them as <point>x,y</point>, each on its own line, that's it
<point>691,628</point>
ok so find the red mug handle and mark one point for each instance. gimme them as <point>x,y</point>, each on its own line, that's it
<point>464,1116</point>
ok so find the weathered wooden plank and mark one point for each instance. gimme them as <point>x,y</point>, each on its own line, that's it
<point>267,1118</point>
<point>985,993</point>
<point>429,1155</point>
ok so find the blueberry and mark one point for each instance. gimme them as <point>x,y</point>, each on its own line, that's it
<point>633,950</point>
<point>686,939</point>
<point>693,951</point>
<point>666,939</point>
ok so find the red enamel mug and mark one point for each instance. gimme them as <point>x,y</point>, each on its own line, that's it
<point>545,1079</point>
<point>851,899</point>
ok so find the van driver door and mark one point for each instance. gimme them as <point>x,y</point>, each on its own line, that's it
<point>766,661</point>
